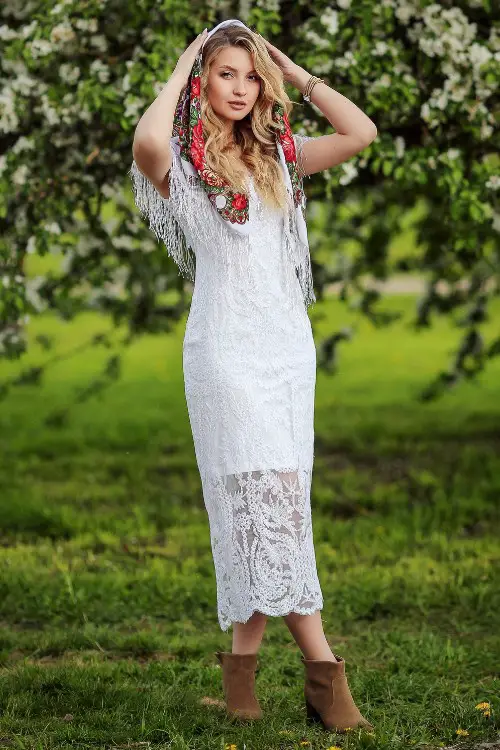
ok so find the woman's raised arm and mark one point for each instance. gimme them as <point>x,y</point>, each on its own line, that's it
<point>151,145</point>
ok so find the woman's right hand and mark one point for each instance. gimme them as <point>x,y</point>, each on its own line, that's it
<point>186,60</point>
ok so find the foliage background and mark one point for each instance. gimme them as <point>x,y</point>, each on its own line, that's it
<point>76,76</point>
<point>107,589</point>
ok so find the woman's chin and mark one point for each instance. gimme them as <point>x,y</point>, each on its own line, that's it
<point>235,115</point>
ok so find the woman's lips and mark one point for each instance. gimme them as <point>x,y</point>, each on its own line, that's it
<point>240,105</point>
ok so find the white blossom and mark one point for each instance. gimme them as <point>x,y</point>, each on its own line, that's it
<point>20,176</point>
<point>99,42</point>
<point>59,7</point>
<point>486,131</point>
<point>25,85</point>
<point>399,146</point>
<point>9,120</point>
<point>63,32</point>
<point>84,245</point>
<point>133,106</point>
<point>32,287</point>
<point>6,33</point>
<point>126,82</point>
<point>330,20</point>
<point>87,24</point>
<point>50,113</point>
<point>445,31</point>
<point>384,82</point>
<point>28,29</point>
<point>346,61</point>
<point>23,144</point>
<point>110,191</point>
<point>100,70</point>
<point>318,41</point>
<point>350,172</point>
<point>324,68</point>
<point>40,48</point>
<point>52,227</point>
<point>494,39</point>
<point>479,54</point>
<point>21,218</point>
<point>380,48</point>
<point>124,242</point>
<point>493,182</point>
<point>31,245</point>
<point>404,11</point>
<point>67,260</point>
<point>69,73</point>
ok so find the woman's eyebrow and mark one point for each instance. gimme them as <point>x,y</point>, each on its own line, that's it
<point>235,69</point>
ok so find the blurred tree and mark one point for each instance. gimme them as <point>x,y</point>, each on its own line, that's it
<point>78,74</point>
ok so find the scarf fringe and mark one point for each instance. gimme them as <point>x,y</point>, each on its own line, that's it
<point>182,221</point>
<point>299,254</point>
<point>163,219</point>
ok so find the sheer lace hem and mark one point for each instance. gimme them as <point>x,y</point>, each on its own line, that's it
<point>262,543</point>
<point>225,622</point>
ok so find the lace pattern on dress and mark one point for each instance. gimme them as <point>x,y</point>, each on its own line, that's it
<point>262,543</point>
<point>185,219</point>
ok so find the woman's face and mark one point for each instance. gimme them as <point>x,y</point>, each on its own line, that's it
<point>233,79</point>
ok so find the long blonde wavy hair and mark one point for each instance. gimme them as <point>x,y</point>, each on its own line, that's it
<point>255,133</point>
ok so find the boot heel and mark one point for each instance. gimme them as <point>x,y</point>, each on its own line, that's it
<point>312,713</point>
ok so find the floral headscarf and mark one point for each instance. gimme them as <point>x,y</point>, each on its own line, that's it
<point>173,220</point>
<point>232,206</point>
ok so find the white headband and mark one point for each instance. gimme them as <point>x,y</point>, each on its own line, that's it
<point>230,22</point>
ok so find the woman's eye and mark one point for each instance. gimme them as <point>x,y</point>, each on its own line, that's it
<point>227,72</point>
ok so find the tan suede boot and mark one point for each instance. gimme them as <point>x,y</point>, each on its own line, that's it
<point>238,679</point>
<point>328,698</point>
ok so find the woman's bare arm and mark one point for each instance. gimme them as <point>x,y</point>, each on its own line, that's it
<point>355,130</point>
<point>151,145</point>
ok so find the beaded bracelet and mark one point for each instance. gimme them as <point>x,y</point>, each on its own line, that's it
<point>309,87</point>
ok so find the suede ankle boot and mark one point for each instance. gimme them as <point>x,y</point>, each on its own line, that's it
<point>238,680</point>
<point>328,698</point>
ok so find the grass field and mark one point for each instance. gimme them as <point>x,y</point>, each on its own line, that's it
<point>108,622</point>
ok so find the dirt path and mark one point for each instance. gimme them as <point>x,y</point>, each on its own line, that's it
<point>402,284</point>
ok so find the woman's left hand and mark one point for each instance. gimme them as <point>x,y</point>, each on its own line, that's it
<point>288,67</point>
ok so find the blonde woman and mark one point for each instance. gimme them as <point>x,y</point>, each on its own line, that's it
<point>219,176</point>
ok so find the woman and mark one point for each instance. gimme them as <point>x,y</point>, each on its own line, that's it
<point>218,173</point>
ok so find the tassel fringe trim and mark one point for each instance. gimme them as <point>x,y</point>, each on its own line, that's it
<point>186,219</point>
<point>163,219</point>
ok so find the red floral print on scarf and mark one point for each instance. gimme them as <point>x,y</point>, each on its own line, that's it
<point>232,206</point>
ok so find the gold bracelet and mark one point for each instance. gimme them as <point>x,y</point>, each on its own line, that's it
<point>313,80</point>
<point>311,84</point>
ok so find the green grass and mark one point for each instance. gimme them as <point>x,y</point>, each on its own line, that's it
<point>108,622</point>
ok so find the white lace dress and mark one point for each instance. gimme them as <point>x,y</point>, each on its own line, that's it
<point>249,362</point>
